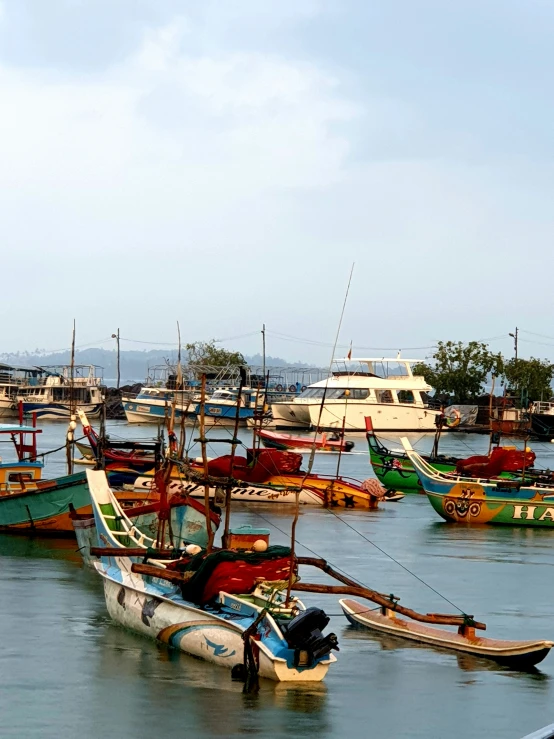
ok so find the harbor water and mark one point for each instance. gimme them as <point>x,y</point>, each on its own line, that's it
<point>67,671</point>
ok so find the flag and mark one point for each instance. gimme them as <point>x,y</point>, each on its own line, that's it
<point>349,355</point>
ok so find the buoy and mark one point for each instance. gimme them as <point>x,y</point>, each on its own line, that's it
<point>192,549</point>
<point>259,545</point>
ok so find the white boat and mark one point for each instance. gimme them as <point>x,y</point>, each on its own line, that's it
<point>154,404</point>
<point>12,378</point>
<point>385,389</point>
<point>284,639</point>
<point>55,392</point>
<point>247,493</point>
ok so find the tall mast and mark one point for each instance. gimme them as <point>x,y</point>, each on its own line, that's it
<point>203,442</point>
<point>72,413</point>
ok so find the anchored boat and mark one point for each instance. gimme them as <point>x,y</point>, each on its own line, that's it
<point>226,607</point>
<point>496,501</point>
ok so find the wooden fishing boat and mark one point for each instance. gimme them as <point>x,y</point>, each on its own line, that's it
<point>134,455</point>
<point>272,476</point>
<point>395,470</point>
<point>321,442</point>
<point>515,654</point>
<point>476,501</point>
<point>225,607</point>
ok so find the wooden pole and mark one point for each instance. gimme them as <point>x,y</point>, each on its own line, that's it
<point>293,542</point>
<point>72,415</point>
<point>207,510</point>
<point>233,451</point>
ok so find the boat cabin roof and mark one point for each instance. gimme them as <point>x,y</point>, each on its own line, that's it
<point>13,428</point>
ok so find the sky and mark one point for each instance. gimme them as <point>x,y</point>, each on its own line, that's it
<point>224,163</point>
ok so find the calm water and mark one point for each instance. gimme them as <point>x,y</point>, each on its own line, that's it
<point>67,671</point>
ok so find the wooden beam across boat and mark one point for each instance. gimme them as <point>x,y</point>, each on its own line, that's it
<point>169,575</point>
<point>132,552</point>
<point>386,601</point>
<point>464,621</point>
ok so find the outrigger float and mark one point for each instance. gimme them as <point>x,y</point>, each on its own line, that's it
<point>414,627</point>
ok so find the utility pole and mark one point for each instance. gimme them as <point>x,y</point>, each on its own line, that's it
<point>263,353</point>
<point>514,337</point>
<point>116,337</point>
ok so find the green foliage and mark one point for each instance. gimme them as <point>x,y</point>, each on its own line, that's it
<point>207,354</point>
<point>530,379</point>
<point>460,370</point>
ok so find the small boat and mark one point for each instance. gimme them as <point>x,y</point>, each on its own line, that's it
<point>321,442</point>
<point>395,470</point>
<point>475,501</point>
<point>133,455</point>
<point>55,391</point>
<point>226,607</point>
<point>515,654</point>
<point>270,475</point>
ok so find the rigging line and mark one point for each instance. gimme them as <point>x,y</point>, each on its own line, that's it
<point>288,337</point>
<point>532,341</point>
<point>335,566</point>
<point>363,536</point>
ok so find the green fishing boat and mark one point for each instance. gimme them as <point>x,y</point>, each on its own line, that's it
<point>395,470</point>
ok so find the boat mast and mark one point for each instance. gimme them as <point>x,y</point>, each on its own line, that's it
<point>234,444</point>
<point>203,442</point>
<point>72,414</point>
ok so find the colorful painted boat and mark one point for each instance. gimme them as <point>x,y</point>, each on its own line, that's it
<point>515,654</point>
<point>395,470</point>
<point>206,616</point>
<point>321,442</point>
<point>273,476</point>
<point>477,501</point>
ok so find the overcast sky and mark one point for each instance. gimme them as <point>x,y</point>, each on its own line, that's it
<point>224,162</point>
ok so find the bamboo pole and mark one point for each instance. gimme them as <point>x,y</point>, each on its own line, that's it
<point>72,414</point>
<point>229,487</point>
<point>207,510</point>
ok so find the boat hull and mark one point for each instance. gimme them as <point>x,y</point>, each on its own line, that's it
<point>59,411</point>
<point>46,510</point>
<point>516,654</point>
<point>194,631</point>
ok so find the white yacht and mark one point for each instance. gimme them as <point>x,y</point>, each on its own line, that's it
<point>385,389</point>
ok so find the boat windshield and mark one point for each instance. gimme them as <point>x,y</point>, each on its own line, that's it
<point>223,395</point>
<point>336,393</point>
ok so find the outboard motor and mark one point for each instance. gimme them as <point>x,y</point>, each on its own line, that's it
<point>304,635</point>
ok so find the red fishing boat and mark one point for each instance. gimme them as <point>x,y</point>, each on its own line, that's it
<point>323,442</point>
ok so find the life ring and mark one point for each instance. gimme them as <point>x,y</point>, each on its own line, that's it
<point>303,388</point>
<point>453,419</point>
<point>292,388</point>
<point>278,388</point>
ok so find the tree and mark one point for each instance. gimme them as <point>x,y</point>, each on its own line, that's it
<point>460,370</point>
<point>207,354</point>
<point>530,379</point>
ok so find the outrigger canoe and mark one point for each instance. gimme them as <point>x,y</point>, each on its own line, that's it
<point>321,442</point>
<point>476,501</point>
<point>395,470</point>
<point>515,654</point>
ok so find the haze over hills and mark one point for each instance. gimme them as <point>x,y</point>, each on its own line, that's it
<point>134,364</point>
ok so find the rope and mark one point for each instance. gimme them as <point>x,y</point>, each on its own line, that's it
<point>397,562</point>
